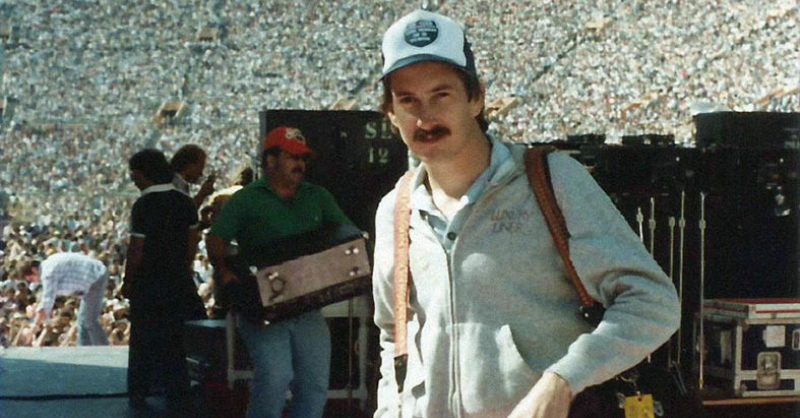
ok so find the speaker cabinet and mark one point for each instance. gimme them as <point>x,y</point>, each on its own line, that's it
<point>771,130</point>
<point>745,197</point>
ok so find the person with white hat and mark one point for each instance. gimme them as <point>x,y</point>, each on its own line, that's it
<point>492,329</point>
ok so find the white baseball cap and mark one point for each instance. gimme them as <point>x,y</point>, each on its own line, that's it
<point>422,36</point>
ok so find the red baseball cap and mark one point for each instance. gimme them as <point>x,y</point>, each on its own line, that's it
<point>288,139</point>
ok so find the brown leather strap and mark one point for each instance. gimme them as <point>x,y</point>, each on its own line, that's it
<point>539,177</point>
<point>402,215</point>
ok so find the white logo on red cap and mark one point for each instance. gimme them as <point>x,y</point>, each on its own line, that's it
<point>295,134</point>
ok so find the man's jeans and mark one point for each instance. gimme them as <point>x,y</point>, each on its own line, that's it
<point>90,331</point>
<point>291,354</point>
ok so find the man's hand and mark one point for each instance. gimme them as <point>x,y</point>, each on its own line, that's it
<point>207,188</point>
<point>40,317</point>
<point>550,397</point>
<point>227,277</point>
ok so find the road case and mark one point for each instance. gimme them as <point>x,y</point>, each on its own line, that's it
<point>752,346</point>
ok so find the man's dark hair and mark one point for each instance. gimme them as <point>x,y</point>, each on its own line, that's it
<point>27,268</point>
<point>185,155</point>
<point>153,165</point>
<point>274,151</point>
<point>471,83</point>
<point>244,177</point>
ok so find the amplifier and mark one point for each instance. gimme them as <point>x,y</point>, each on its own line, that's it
<point>315,280</point>
<point>300,273</point>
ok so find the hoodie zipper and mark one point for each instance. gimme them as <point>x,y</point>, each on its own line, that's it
<point>455,395</point>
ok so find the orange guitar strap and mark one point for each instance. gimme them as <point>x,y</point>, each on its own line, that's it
<point>402,217</point>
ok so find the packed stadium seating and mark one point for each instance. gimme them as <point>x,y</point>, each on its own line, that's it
<point>84,82</point>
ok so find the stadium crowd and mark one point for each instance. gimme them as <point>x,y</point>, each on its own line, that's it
<point>83,80</point>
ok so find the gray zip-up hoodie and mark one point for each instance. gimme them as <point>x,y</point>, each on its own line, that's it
<point>491,315</point>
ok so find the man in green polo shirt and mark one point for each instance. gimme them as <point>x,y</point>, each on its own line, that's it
<point>293,353</point>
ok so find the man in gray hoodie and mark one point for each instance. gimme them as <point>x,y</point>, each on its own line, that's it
<point>492,325</point>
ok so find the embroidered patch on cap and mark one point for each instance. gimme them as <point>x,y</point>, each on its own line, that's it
<point>422,36</point>
<point>292,133</point>
<point>421,33</point>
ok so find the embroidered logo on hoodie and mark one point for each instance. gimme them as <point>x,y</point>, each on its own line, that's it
<point>509,220</point>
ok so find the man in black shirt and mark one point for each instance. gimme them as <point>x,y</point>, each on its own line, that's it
<point>158,281</point>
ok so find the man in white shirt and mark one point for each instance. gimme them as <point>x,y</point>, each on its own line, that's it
<point>75,274</point>
<point>189,162</point>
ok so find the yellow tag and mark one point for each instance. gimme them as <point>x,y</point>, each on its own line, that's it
<point>640,406</point>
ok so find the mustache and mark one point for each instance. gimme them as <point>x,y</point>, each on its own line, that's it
<point>435,133</point>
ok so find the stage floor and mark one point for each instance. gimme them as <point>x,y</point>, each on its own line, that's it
<point>90,382</point>
<point>68,382</point>
<point>79,382</point>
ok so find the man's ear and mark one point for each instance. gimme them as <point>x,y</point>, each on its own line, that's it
<point>137,176</point>
<point>478,103</point>
<point>269,161</point>
<point>392,118</point>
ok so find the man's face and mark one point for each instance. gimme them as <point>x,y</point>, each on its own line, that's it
<point>288,169</point>
<point>138,179</point>
<point>431,109</point>
<point>194,171</point>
